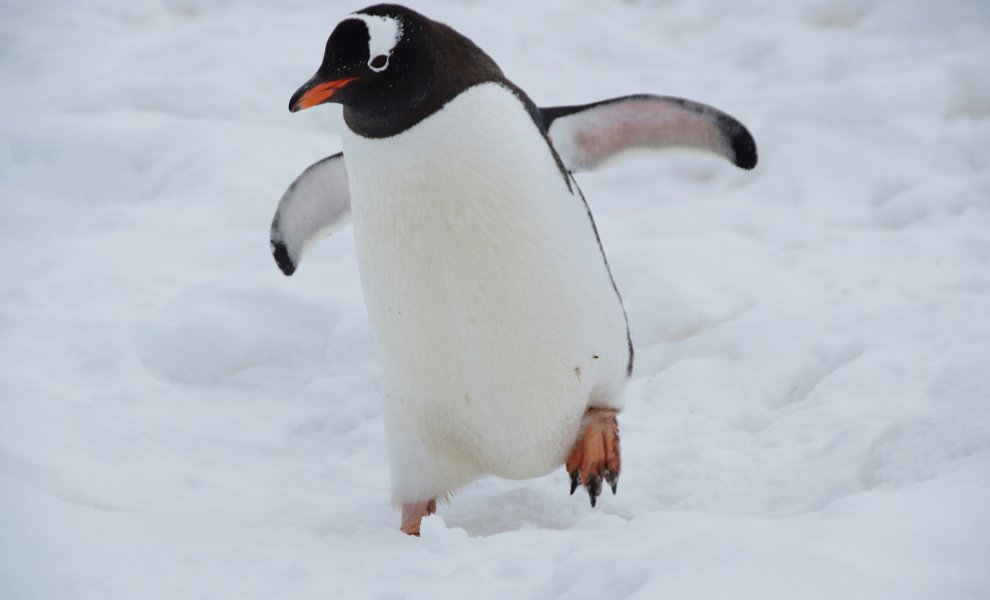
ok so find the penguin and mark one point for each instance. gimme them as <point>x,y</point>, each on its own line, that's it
<point>503,341</point>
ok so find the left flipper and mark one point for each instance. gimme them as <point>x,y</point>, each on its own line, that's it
<point>590,135</point>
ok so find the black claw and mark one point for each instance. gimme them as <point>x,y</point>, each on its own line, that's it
<point>575,478</point>
<point>594,489</point>
<point>613,480</point>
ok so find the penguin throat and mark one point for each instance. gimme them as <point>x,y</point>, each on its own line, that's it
<point>389,117</point>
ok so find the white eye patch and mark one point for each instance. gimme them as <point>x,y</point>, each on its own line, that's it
<point>384,34</point>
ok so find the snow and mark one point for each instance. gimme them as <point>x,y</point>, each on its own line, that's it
<point>810,411</point>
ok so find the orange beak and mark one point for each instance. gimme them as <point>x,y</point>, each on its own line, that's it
<point>314,92</point>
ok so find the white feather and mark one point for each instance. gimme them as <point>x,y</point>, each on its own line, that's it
<point>384,34</point>
<point>495,317</point>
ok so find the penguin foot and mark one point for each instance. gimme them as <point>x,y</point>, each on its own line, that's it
<point>595,456</point>
<point>413,513</point>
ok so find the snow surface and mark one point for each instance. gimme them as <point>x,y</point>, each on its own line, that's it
<point>810,412</point>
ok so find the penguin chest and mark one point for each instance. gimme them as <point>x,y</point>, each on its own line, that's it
<point>492,307</point>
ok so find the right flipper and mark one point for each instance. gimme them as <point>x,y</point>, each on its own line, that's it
<point>317,204</point>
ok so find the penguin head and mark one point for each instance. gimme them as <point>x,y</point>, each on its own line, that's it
<point>377,60</point>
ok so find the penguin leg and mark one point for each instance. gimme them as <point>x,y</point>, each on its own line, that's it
<point>413,513</point>
<point>595,455</point>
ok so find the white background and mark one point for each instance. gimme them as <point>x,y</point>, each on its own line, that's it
<point>810,411</point>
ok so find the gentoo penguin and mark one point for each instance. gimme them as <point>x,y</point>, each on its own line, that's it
<point>503,341</point>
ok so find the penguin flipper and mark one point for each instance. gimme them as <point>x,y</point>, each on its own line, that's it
<point>317,204</point>
<point>590,135</point>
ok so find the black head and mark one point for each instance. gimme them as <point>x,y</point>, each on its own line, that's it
<point>373,57</point>
<point>390,67</point>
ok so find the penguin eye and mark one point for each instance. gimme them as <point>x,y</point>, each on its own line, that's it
<point>378,63</point>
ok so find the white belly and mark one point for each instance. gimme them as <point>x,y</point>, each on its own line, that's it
<point>495,318</point>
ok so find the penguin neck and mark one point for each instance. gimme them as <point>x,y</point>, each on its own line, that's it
<point>387,120</point>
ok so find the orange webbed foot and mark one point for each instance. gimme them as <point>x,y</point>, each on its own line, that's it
<point>595,455</point>
<point>413,513</point>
